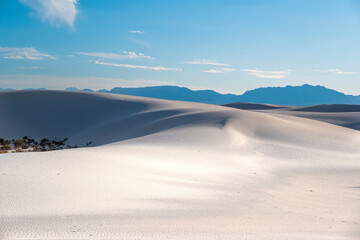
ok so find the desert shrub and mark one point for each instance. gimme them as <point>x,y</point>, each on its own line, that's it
<point>17,143</point>
<point>20,143</point>
<point>60,143</point>
<point>24,146</point>
<point>44,142</point>
<point>5,147</point>
<point>4,142</point>
<point>30,141</point>
<point>36,148</point>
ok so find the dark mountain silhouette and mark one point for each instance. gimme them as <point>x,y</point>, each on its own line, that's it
<point>176,93</point>
<point>6,89</point>
<point>305,95</point>
<point>77,89</point>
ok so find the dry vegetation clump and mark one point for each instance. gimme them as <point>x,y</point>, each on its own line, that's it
<point>27,144</point>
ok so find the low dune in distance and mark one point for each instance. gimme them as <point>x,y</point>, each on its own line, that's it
<point>330,108</point>
<point>174,170</point>
<point>253,106</point>
<point>346,115</point>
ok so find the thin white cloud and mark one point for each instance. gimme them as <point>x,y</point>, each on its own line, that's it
<point>336,71</point>
<point>220,70</point>
<point>213,71</point>
<point>116,56</point>
<point>267,74</point>
<point>137,31</point>
<point>54,11</point>
<point>210,62</point>
<point>158,68</point>
<point>28,53</point>
<point>20,81</point>
<point>254,72</point>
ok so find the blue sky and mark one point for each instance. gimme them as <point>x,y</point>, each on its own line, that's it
<point>225,45</point>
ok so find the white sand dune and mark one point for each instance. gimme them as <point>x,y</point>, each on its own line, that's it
<point>345,115</point>
<point>345,119</point>
<point>174,170</point>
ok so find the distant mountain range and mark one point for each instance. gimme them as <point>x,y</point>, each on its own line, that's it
<point>304,95</point>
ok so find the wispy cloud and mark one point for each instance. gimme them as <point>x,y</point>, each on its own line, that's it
<point>136,31</point>
<point>158,68</point>
<point>254,72</point>
<point>211,62</point>
<point>336,71</point>
<point>54,11</point>
<point>28,53</point>
<point>267,74</point>
<point>116,56</point>
<point>214,71</point>
<point>221,70</point>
